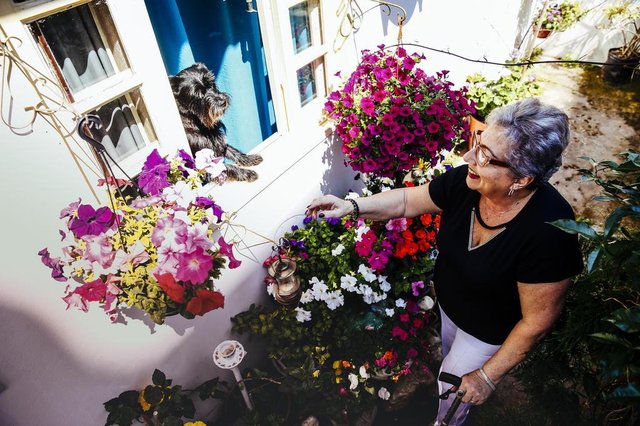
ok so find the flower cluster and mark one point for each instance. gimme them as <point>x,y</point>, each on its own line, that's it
<point>390,114</point>
<point>365,289</point>
<point>158,251</point>
<point>560,16</point>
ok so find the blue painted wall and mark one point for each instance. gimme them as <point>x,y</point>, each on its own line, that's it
<point>226,38</point>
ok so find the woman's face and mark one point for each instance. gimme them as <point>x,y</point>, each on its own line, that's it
<point>490,180</point>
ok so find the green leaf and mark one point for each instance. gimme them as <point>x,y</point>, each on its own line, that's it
<point>153,395</point>
<point>612,222</point>
<point>574,227</point>
<point>158,378</point>
<point>611,338</point>
<point>592,258</point>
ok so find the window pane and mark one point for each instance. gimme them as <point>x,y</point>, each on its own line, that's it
<point>300,27</point>
<point>123,127</point>
<point>79,43</point>
<point>311,83</point>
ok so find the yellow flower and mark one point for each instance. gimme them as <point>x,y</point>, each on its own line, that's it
<point>338,379</point>
<point>196,423</point>
<point>316,373</point>
<point>143,402</point>
<point>336,365</point>
<point>338,372</point>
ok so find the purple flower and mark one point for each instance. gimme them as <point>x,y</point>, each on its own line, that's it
<point>208,203</point>
<point>307,220</point>
<point>416,286</point>
<point>188,160</point>
<point>331,221</point>
<point>90,221</point>
<point>154,175</point>
<point>54,263</point>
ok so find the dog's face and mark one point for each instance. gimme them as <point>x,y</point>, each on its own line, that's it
<point>196,91</point>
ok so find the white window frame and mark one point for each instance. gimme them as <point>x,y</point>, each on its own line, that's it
<point>145,73</point>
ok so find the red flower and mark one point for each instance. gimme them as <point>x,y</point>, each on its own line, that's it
<point>205,301</point>
<point>421,234</point>
<point>407,235</point>
<point>426,219</point>
<point>169,285</point>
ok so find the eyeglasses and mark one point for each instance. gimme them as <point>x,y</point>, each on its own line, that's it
<point>483,155</point>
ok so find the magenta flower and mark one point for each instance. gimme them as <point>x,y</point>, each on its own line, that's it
<point>194,267</point>
<point>399,333</point>
<point>90,221</point>
<point>378,260</point>
<point>226,250</point>
<point>94,291</point>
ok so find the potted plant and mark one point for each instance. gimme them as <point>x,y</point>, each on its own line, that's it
<point>390,114</point>
<point>622,60</point>
<point>486,95</point>
<point>158,251</point>
<point>162,403</point>
<point>559,17</point>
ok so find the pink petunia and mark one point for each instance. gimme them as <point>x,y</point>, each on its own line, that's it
<point>194,267</point>
<point>93,291</point>
<point>98,249</point>
<point>416,286</point>
<point>77,301</point>
<point>170,232</point>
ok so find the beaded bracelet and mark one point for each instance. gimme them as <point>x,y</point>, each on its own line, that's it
<point>356,209</point>
<point>486,378</point>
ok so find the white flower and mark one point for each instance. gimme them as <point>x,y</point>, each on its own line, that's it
<point>400,303</point>
<point>338,250</point>
<point>302,315</point>
<point>389,312</point>
<point>426,303</point>
<point>353,380</point>
<point>384,393</point>
<point>306,297</point>
<point>363,372</point>
<point>180,193</point>
<point>348,283</point>
<point>334,299</point>
<point>367,273</point>
<point>319,289</point>
<point>360,231</point>
<point>206,160</point>
<point>271,288</point>
<point>384,284</point>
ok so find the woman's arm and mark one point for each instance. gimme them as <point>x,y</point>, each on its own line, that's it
<point>541,306</point>
<point>401,202</point>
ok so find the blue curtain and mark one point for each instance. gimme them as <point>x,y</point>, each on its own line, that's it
<point>226,38</point>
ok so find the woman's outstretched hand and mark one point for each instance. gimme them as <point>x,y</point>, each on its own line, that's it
<point>329,206</point>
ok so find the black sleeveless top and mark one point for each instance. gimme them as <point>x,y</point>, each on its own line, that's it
<point>477,288</point>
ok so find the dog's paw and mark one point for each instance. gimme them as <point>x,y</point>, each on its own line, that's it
<point>249,160</point>
<point>239,174</point>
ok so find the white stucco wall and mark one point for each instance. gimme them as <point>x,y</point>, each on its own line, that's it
<point>60,366</point>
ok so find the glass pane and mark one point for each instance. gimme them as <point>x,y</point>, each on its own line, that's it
<point>73,41</point>
<point>307,83</point>
<point>122,131</point>
<point>300,27</point>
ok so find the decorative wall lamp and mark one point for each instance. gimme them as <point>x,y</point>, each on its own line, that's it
<point>287,284</point>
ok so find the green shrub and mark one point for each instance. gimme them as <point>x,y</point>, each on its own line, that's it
<point>594,352</point>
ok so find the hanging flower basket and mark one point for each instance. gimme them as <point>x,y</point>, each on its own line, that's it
<point>390,114</point>
<point>159,251</point>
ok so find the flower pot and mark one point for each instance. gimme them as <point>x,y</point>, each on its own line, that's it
<point>474,125</point>
<point>543,33</point>
<point>619,70</point>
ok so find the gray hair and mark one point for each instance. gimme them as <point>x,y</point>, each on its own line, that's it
<point>537,133</point>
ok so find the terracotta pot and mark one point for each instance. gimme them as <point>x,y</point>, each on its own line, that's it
<point>619,70</point>
<point>474,124</point>
<point>543,33</point>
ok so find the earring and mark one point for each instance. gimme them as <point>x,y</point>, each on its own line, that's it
<point>510,193</point>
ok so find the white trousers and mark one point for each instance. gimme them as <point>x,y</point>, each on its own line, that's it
<point>462,354</point>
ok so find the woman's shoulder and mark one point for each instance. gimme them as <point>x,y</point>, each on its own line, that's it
<point>547,205</point>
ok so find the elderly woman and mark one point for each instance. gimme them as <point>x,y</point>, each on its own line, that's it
<point>502,270</point>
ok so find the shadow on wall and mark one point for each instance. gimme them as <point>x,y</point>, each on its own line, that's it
<point>334,160</point>
<point>43,376</point>
<point>390,14</point>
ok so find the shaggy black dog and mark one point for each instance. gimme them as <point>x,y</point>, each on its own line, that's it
<point>201,107</point>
